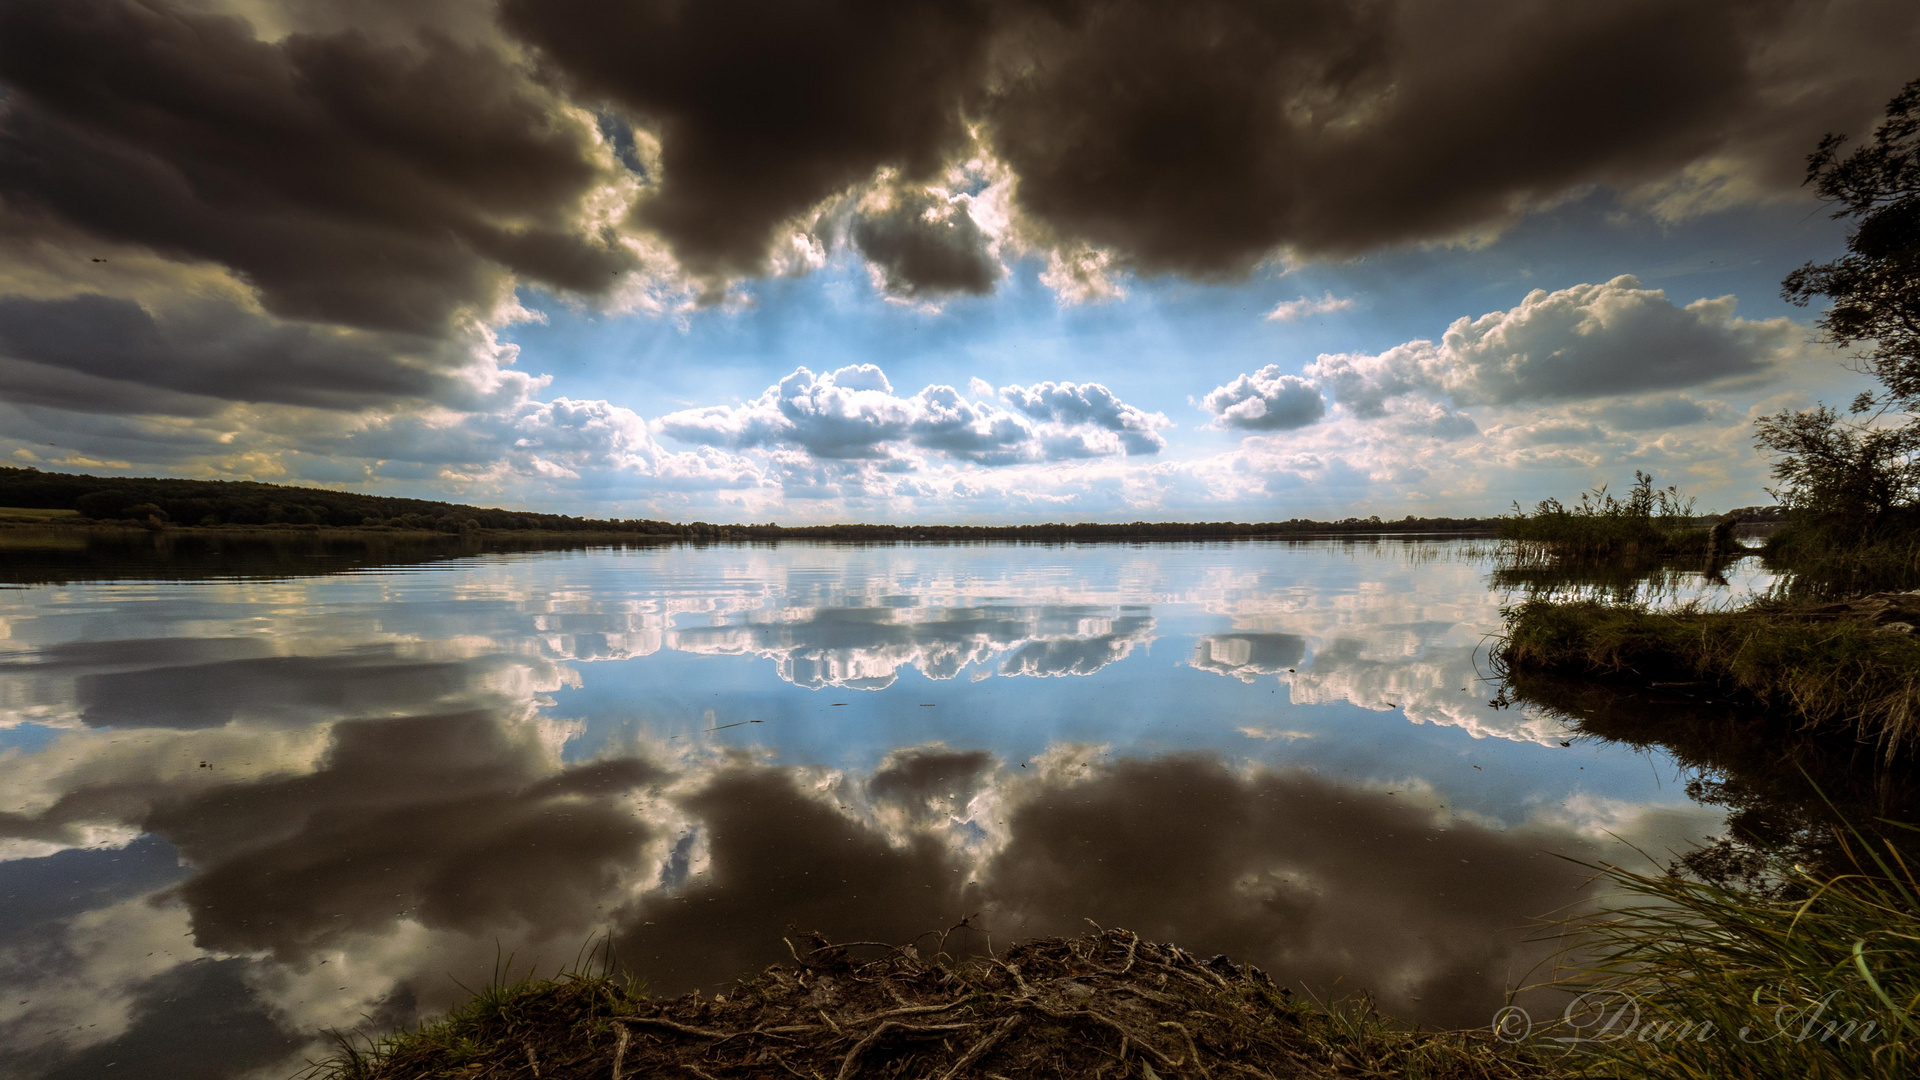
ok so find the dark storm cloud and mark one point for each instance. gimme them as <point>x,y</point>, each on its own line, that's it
<point>764,108</point>
<point>208,682</point>
<point>214,350</point>
<point>1309,878</point>
<point>202,1019</point>
<point>456,821</point>
<point>926,245</point>
<point>779,859</point>
<point>1195,137</point>
<point>378,184</point>
<point>389,172</point>
<point>927,785</point>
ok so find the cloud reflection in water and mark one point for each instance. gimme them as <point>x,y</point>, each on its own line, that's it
<point>372,783</point>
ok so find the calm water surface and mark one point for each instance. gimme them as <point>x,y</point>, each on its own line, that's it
<point>234,813</point>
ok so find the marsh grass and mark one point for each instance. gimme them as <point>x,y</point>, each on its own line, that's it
<point>1690,980</point>
<point>1834,673</point>
<point>1648,524</point>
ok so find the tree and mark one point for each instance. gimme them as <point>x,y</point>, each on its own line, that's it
<point>1875,286</point>
<point>1848,470</point>
<point>1841,471</point>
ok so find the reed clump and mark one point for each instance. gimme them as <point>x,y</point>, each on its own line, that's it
<point>1105,1004</point>
<point>1851,665</point>
<point>1648,524</point>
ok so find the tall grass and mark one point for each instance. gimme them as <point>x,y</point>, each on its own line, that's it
<point>1688,980</point>
<point>1648,523</point>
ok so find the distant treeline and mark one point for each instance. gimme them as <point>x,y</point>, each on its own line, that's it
<point>159,503</point>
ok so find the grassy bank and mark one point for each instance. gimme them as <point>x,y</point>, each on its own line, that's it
<point>1104,1004</point>
<point>1842,667</point>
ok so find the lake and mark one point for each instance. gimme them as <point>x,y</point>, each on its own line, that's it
<point>238,811</point>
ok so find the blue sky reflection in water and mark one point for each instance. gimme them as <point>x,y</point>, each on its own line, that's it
<point>297,803</point>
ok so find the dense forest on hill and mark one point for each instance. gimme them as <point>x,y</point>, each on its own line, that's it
<point>159,503</point>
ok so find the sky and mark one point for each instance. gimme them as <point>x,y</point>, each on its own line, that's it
<point>945,261</point>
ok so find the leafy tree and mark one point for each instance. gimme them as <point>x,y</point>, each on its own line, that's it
<point>1875,286</point>
<point>1854,470</point>
<point>1839,470</point>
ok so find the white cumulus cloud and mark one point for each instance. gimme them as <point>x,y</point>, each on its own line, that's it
<point>1583,342</point>
<point>854,414</point>
<point>1265,401</point>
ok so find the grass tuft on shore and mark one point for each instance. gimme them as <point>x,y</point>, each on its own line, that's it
<point>1689,980</point>
<point>1829,669</point>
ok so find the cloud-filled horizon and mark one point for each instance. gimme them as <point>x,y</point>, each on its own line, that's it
<point>985,260</point>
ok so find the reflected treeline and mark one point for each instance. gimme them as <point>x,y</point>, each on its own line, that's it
<point>1790,795</point>
<point>57,557</point>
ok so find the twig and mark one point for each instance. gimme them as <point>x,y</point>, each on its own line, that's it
<point>532,1062</point>
<point>1131,946</point>
<point>780,1061</point>
<point>993,1039</point>
<point>1192,1047</point>
<point>1164,1060</point>
<point>1025,990</point>
<point>965,923</point>
<point>697,1071</point>
<point>911,1010</point>
<point>675,1025</point>
<point>620,1037</point>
